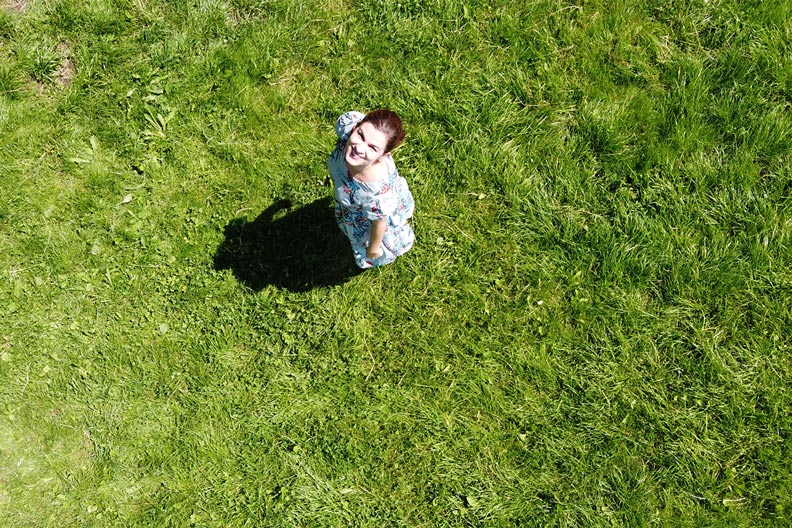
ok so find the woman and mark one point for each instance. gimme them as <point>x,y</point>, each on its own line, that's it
<point>373,203</point>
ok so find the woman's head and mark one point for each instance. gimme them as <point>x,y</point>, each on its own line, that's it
<point>378,133</point>
<point>389,124</point>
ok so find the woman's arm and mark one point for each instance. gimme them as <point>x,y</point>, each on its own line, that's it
<point>346,123</point>
<point>374,249</point>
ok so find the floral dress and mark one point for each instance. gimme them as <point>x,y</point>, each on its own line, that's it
<point>359,203</point>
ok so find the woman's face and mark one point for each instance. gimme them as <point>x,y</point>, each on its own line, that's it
<point>365,147</point>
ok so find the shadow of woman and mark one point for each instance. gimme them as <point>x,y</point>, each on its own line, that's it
<point>299,250</point>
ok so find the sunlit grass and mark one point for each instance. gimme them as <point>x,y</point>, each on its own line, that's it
<point>590,331</point>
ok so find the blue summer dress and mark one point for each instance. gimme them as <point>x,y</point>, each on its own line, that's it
<point>358,203</point>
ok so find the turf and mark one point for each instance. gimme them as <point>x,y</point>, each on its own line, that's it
<point>592,329</point>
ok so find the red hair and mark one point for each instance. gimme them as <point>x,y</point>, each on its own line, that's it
<point>389,124</point>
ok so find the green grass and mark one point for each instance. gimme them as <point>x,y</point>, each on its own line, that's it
<point>592,330</point>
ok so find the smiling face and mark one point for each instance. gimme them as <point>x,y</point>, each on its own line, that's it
<point>365,147</point>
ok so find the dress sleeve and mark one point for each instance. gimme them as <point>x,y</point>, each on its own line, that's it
<point>346,122</point>
<point>382,204</point>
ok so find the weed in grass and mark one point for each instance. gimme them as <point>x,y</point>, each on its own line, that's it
<point>11,82</point>
<point>45,62</point>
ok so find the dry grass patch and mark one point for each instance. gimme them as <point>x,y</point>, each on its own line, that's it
<point>64,75</point>
<point>17,5</point>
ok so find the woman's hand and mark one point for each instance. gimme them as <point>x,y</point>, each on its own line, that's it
<point>374,252</point>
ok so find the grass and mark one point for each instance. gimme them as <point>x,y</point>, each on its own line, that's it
<point>592,329</point>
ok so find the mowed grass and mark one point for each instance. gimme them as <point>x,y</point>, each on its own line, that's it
<point>592,330</point>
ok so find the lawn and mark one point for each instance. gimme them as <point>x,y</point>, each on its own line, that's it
<point>593,328</point>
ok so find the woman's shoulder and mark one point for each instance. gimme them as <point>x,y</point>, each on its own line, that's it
<point>378,179</point>
<point>390,165</point>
